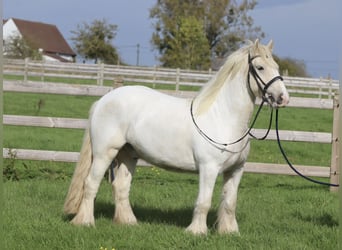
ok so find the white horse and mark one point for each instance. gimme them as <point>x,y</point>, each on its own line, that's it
<point>204,135</point>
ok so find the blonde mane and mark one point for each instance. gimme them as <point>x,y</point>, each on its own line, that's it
<point>234,64</point>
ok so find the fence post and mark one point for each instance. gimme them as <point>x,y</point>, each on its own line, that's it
<point>26,69</point>
<point>43,71</point>
<point>335,159</point>
<point>330,88</point>
<point>154,76</point>
<point>100,74</point>
<point>320,90</point>
<point>177,79</point>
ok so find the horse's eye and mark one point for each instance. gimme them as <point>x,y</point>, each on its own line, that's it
<point>260,68</point>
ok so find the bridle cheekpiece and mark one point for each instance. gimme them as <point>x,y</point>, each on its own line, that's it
<point>266,97</point>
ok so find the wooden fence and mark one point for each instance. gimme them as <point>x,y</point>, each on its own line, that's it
<point>102,74</point>
<point>54,122</point>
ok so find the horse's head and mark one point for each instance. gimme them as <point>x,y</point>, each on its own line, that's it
<point>263,75</point>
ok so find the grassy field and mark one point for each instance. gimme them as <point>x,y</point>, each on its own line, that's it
<point>274,212</point>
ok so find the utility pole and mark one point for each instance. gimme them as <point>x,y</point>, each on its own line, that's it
<point>138,53</point>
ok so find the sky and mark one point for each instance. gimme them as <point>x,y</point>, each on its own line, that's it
<point>305,30</point>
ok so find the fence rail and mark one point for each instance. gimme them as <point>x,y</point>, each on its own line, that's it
<point>251,167</point>
<point>101,73</point>
<point>70,89</point>
<point>54,122</point>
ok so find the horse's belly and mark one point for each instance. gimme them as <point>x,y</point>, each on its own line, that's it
<point>175,164</point>
<point>164,153</point>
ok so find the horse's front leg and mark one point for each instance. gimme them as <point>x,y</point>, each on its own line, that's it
<point>226,215</point>
<point>207,179</point>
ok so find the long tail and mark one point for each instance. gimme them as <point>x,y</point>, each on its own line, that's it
<point>76,189</point>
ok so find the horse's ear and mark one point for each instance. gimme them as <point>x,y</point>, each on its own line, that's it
<point>270,45</point>
<point>256,43</point>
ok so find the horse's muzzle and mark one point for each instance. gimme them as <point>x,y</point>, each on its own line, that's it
<point>282,100</point>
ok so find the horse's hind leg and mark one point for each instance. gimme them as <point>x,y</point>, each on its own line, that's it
<point>121,185</point>
<point>101,162</point>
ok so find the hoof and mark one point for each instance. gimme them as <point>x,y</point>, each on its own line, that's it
<point>131,221</point>
<point>81,221</point>
<point>196,230</point>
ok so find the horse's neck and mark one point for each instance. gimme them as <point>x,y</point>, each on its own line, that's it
<point>234,103</point>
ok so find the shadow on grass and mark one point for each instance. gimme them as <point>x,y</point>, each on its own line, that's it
<point>304,186</point>
<point>322,220</point>
<point>178,217</point>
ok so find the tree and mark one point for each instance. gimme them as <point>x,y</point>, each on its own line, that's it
<point>226,24</point>
<point>189,48</point>
<point>18,47</point>
<point>94,41</point>
<point>291,67</point>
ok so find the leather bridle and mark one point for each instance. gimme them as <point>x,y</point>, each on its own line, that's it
<point>265,98</point>
<point>261,84</point>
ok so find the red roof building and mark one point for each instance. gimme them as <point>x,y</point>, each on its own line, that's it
<point>44,37</point>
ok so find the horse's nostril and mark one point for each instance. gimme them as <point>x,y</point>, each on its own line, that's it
<point>283,100</point>
<point>280,99</point>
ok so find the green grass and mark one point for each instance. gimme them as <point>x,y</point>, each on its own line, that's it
<point>274,212</point>
<point>51,79</point>
<point>47,105</point>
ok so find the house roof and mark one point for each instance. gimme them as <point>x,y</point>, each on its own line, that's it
<point>45,36</point>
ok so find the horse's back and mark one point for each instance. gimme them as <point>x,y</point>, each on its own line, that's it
<point>133,95</point>
<point>132,102</point>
